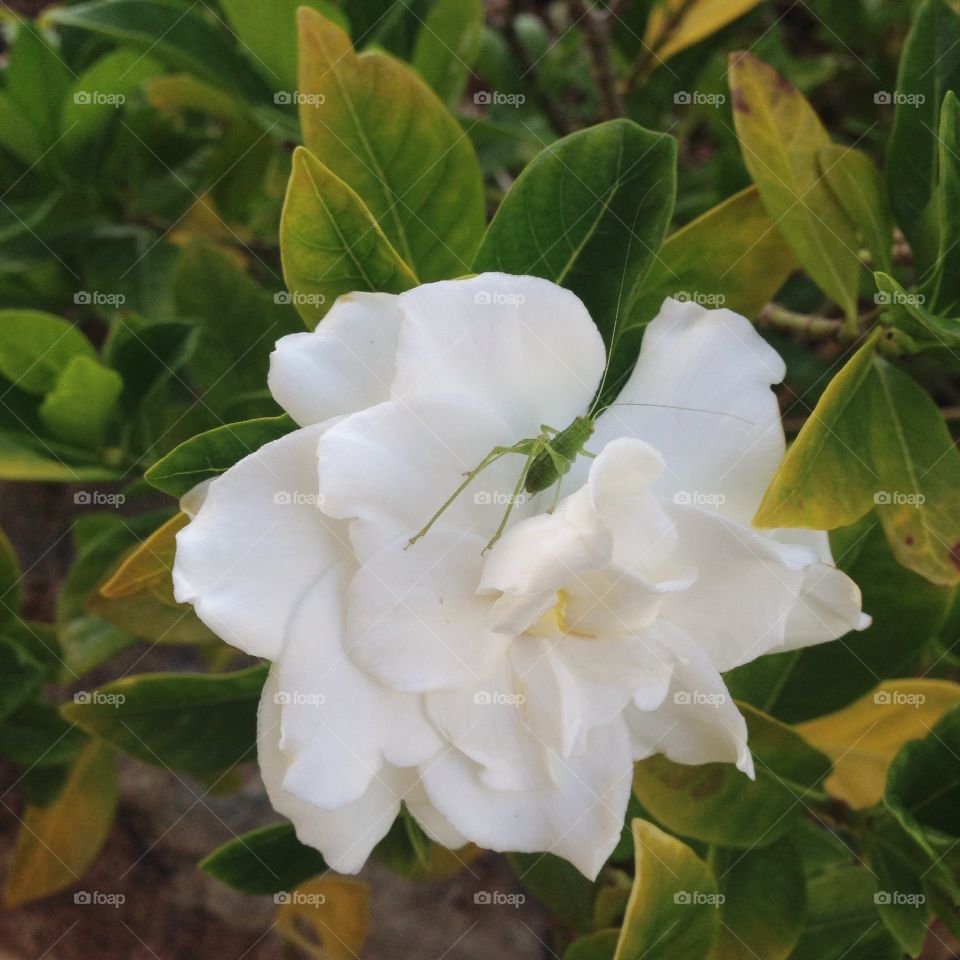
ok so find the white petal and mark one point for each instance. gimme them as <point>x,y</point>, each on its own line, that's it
<point>704,360</point>
<point>580,818</point>
<point>346,364</point>
<point>339,724</point>
<point>345,836</point>
<point>830,606</point>
<point>436,826</point>
<point>698,721</point>
<point>393,466</point>
<point>414,619</point>
<point>257,544</point>
<point>521,343</point>
<point>745,590</point>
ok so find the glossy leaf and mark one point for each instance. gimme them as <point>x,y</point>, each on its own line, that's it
<point>923,784</point>
<point>83,403</point>
<point>36,347</point>
<point>716,803</point>
<point>268,32</point>
<point>780,137</point>
<point>856,184</point>
<point>907,311</point>
<point>181,38</point>
<point>195,723</point>
<point>209,454</point>
<point>264,861</point>
<point>673,908</point>
<point>331,244</point>
<point>589,213</point>
<point>929,65</point>
<point>366,112</point>
<point>447,46</point>
<point>943,286</point>
<point>768,876</point>
<point>57,844</point>
<point>875,439</point>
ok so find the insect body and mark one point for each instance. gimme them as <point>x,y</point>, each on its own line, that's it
<point>557,457</point>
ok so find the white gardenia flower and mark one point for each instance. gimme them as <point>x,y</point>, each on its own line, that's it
<point>502,696</point>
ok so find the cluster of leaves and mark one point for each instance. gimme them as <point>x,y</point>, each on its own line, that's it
<point>144,303</point>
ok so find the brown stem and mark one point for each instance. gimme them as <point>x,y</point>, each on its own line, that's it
<point>645,64</point>
<point>773,315</point>
<point>596,27</point>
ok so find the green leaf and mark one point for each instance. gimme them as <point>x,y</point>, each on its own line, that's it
<point>96,97</point>
<point>780,137</point>
<point>875,439</point>
<point>209,454</point>
<point>331,244</point>
<point>57,844</point>
<point>733,255</point>
<point>716,803</point>
<point>589,213</point>
<point>20,676</point>
<point>35,735</point>
<point>366,114</point>
<point>929,66</point>
<point>808,683</point>
<point>943,287</point>
<point>858,188</point>
<point>264,861</point>
<point>675,25</point>
<point>764,902</point>
<point>195,723</point>
<point>36,80</point>
<point>240,323</point>
<point>558,885</point>
<point>268,32</point>
<point>601,945</point>
<point>36,347</point>
<point>842,919</point>
<point>174,35</point>
<point>906,311</point>
<point>21,459</point>
<point>673,910</point>
<point>447,47</point>
<point>11,591</point>
<point>83,403</point>
<point>923,786</point>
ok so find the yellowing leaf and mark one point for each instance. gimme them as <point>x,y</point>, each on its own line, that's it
<point>326,918</point>
<point>138,597</point>
<point>863,738</point>
<point>780,137</point>
<point>56,844</point>
<point>379,128</point>
<point>698,19</point>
